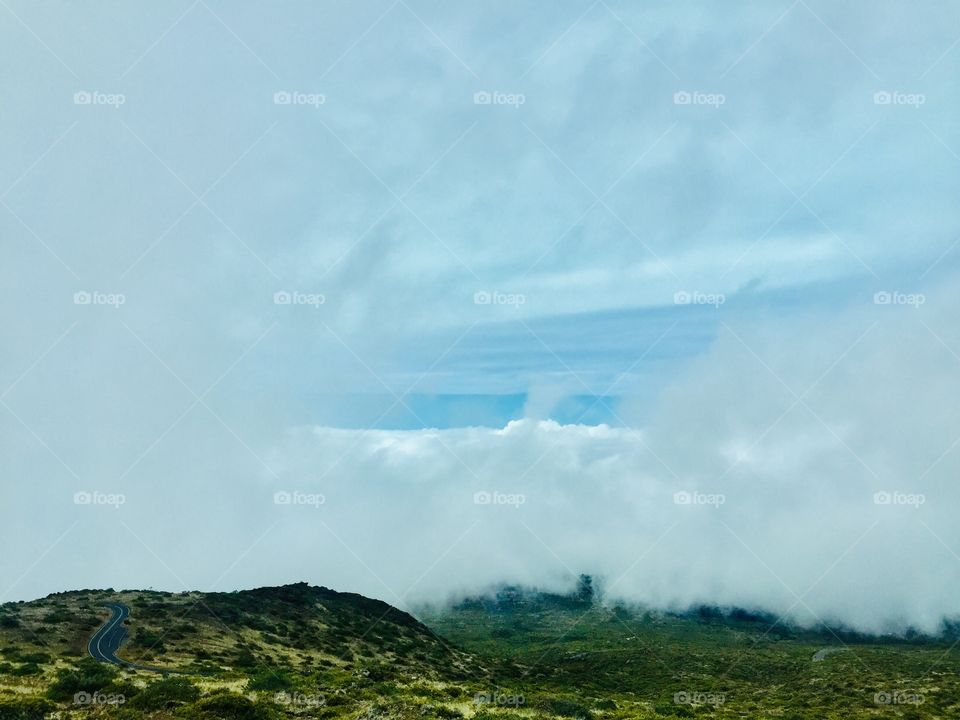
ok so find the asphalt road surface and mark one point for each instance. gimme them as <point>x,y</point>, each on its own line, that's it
<point>106,641</point>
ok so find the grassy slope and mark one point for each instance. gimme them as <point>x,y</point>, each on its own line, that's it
<point>295,627</point>
<point>546,656</point>
<point>641,660</point>
<point>351,650</point>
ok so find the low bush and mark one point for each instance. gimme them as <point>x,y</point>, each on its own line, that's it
<point>25,708</point>
<point>229,706</point>
<point>29,668</point>
<point>88,676</point>
<point>566,708</point>
<point>167,693</point>
<point>270,680</point>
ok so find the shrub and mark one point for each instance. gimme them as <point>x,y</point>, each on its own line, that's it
<point>377,672</point>
<point>269,680</point>
<point>229,706</point>
<point>88,676</point>
<point>122,687</point>
<point>29,668</point>
<point>680,711</point>
<point>35,657</point>
<point>245,659</point>
<point>55,617</point>
<point>566,708</point>
<point>149,641</point>
<point>25,708</point>
<point>166,693</point>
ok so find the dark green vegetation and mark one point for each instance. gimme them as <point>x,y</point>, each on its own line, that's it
<point>269,653</point>
<point>306,652</point>
<point>624,662</point>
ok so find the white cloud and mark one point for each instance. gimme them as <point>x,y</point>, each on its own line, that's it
<point>180,397</point>
<point>781,446</point>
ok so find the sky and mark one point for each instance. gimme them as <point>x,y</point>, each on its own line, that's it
<point>412,298</point>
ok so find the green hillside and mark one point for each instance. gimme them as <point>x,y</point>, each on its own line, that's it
<point>629,662</point>
<point>308,652</point>
<point>288,650</point>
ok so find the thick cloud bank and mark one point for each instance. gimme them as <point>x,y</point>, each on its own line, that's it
<point>818,481</point>
<point>813,479</point>
<point>687,216</point>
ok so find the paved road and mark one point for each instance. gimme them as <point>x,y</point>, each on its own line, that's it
<point>106,641</point>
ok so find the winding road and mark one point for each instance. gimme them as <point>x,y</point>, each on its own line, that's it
<point>106,641</point>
